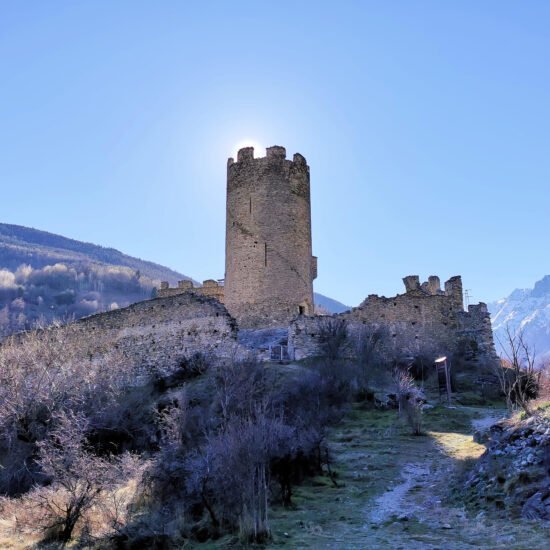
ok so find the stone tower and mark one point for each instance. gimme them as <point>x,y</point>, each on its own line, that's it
<point>269,268</point>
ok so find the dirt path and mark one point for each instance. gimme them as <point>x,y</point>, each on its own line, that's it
<point>393,490</point>
<point>414,496</point>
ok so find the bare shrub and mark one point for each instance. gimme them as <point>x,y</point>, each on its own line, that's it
<point>409,399</point>
<point>517,372</point>
<point>77,478</point>
<point>333,333</point>
<point>370,344</point>
<point>231,473</point>
<point>239,386</point>
<point>41,374</point>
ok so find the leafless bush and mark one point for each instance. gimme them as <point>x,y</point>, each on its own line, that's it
<point>77,477</point>
<point>239,386</point>
<point>544,381</point>
<point>333,333</point>
<point>231,473</point>
<point>409,399</point>
<point>370,353</point>
<point>517,371</point>
<point>44,373</point>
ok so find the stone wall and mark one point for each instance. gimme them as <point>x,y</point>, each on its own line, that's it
<point>155,335</point>
<point>424,320</point>
<point>210,288</point>
<point>269,264</point>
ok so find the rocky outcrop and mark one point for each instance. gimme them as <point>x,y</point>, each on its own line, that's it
<point>514,473</point>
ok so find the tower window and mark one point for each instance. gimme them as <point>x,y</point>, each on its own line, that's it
<point>250,205</point>
<point>265,254</point>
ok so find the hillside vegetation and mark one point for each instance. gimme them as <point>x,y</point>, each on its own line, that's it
<point>46,277</point>
<point>228,453</point>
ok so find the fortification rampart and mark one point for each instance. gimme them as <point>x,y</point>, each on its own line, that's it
<point>269,264</point>
<point>424,320</point>
<point>209,288</point>
<point>156,335</point>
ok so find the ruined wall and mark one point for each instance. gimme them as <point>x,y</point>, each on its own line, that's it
<point>155,335</point>
<point>269,265</point>
<point>210,288</point>
<point>424,320</point>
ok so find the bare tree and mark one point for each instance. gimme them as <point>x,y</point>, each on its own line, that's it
<point>77,476</point>
<point>333,333</point>
<point>369,344</point>
<point>517,373</point>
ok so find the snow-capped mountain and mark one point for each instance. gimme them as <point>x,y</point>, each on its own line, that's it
<point>527,310</point>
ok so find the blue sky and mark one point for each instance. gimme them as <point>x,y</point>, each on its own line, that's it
<point>426,126</point>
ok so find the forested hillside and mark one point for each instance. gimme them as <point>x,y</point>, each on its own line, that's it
<point>44,277</point>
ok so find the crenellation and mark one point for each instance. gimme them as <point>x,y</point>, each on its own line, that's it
<point>276,152</point>
<point>453,289</point>
<point>411,282</point>
<point>434,284</point>
<point>210,288</point>
<point>245,154</point>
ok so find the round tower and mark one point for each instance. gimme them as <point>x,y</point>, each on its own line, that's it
<point>269,268</point>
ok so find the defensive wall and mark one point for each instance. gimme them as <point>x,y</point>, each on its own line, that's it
<point>156,335</point>
<point>423,320</point>
<point>209,288</point>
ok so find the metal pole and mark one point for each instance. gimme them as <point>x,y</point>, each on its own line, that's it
<point>448,381</point>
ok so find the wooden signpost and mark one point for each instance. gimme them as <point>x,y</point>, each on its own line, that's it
<point>443,378</point>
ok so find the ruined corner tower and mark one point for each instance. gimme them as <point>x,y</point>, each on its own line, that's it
<point>269,267</point>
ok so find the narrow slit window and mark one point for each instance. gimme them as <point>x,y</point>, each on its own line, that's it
<point>250,205</point>
<point>265,254</point>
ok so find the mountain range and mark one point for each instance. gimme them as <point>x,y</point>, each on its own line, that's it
<point>527,310</point>
<point>46,277</point>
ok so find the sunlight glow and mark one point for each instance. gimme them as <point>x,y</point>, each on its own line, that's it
<point>458,446</point>
<point>259,150</point>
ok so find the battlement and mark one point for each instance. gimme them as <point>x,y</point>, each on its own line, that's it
<point>432,287</point>
<point>210,287</point>
<point>273,153</point>
<point>423,320</point>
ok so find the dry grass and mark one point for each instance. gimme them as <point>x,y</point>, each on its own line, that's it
<point>22,523</point>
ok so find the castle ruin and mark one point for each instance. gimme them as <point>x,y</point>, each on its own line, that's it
<point>269,267</point>
<point>270,270</point>
<point>425,320</point>
<point>266,299</point>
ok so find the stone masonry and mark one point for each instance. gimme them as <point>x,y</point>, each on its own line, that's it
<point>269,286</point>
<point>156,335</point>
<point>424,320</point>
<point>269,267</point>
<point>209,288</point>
